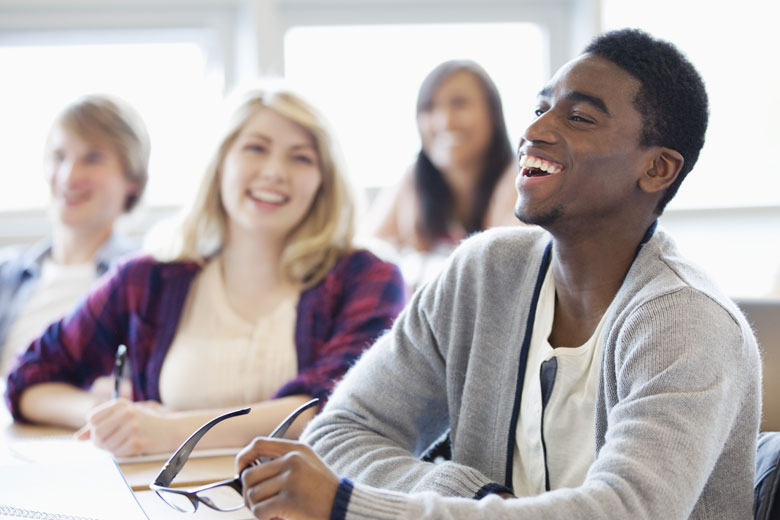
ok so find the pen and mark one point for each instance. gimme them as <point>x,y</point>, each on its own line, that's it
<point>119,364</point>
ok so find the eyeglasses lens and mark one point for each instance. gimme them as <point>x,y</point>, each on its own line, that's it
<point>222,498</point>
<point>177,501</point>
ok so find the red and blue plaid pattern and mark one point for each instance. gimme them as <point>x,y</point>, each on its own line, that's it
<point>139,304</point>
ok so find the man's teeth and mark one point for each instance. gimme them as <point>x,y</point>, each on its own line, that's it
<point>531,162</point>
<point>268,196</point>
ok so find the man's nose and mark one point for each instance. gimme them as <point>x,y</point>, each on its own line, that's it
<point>69,172</point>
<point>541,130</point>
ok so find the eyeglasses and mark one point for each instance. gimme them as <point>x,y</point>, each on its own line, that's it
<point>225,495</point>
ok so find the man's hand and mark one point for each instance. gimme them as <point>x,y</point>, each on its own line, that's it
<point>295,485</point>
<point>128,429</point>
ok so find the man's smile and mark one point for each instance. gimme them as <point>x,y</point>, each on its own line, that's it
<point>532,166</point>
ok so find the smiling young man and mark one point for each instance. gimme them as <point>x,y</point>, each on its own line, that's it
<point>583,368</point>
<point>96,166</point>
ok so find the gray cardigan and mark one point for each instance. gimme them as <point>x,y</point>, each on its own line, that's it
<point>677,407</point>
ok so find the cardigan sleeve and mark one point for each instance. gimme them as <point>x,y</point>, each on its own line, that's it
<point>341,317</point>
<point>393,406</point>
<point>81,346</point>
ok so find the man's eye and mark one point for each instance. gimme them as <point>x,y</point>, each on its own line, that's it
<point>579,119</point>
<point>93,157</point>
<point>538,112</point>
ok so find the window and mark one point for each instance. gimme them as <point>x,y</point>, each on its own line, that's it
<point>737,239</point>
<point>732,47</point>
<point>165,74</point>
<point>365,79</point>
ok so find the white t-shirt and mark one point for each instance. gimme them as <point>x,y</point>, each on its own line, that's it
<point>56,293</point>
<point>568,417</point>
<point>219,359</point>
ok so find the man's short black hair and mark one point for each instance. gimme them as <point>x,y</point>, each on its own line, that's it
<point>672,99</point>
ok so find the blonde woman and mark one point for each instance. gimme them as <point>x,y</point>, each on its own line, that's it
<point>261,302</point>
<point>95,163</point>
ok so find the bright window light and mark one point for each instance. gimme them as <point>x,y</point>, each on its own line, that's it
<point>742,85</point>
<point>365,79</point>
<point>168,83</point>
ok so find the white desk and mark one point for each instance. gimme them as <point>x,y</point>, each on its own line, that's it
<point>156,509</point>
<point>138,475</point>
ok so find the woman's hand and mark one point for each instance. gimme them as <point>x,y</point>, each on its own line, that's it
<point>127,429</point>
<point>296,484</point>
<point>103,388</point>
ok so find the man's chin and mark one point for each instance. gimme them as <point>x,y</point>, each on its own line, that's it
<point>72,217</point>
<point>540,218</point>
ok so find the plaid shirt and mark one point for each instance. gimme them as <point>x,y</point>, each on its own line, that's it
<point>139,304</point>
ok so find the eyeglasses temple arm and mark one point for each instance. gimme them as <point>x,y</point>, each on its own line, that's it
<point>280,430</point>
<point>180,456</point>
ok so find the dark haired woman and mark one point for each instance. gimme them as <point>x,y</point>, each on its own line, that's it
<point>463,179</point>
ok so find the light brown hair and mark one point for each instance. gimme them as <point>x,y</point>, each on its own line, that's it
<point>327,229</point>
<point>100,118</point>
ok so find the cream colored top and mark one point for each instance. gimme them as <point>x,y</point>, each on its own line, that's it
<point>568,418</point>
<point>218,359</point>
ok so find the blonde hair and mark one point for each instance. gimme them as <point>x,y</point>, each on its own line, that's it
<point>98,117</point>
<point>325,232</point>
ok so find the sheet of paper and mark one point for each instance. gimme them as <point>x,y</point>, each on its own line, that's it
<point>54,449</point>
<point>92,489</point>
<point>196,454</point>
<point>59,448</point>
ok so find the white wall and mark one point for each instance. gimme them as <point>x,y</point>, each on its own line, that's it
<point>740,247</point>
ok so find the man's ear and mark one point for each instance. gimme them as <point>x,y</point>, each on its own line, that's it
<point>666,165</point>
<point>133,189</point>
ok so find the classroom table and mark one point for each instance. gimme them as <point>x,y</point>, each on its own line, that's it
<point>139,474</point>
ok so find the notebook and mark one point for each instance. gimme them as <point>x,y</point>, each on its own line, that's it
<point>90,488</point>
<point>764,317</point>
